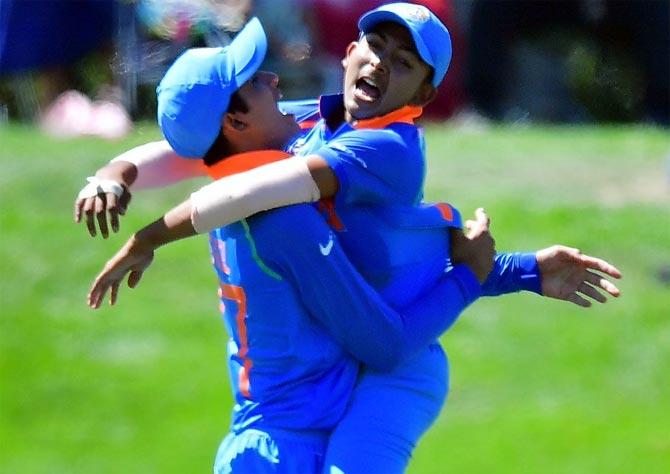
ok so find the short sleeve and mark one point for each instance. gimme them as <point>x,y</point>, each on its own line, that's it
<point>377,167</point>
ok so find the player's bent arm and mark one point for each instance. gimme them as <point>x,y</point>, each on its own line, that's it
<point>299,180</point>
<point>309,255</point>
<point>232,198</point>
<point>239,196</point>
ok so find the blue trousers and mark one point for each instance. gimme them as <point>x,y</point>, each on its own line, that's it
<point>387,415</point>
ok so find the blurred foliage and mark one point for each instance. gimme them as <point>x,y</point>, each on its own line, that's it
<point>608,83</point>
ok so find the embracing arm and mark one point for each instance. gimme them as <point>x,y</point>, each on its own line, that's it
<point>330,287</point>
<point>157,165</point>
<point>309,256</point>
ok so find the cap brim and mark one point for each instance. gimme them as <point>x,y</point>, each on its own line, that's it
<point>369,20</point>
<point>247,51</point>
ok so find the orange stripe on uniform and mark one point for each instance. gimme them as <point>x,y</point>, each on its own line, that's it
<point>237,294</point>
<point>446,211</point>
<point>241,162</point>
<point>405,114</point>
<point>307,124</point>
<point>327,207</point>
<point>219,254</point>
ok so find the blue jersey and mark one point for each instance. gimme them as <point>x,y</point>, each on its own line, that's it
<point>380,166</point>
<point>274,298</point>
<point>300,317</point>
<point>377,162</point>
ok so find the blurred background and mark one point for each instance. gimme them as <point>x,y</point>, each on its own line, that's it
<point>559,61</point>
<point>553,116</point>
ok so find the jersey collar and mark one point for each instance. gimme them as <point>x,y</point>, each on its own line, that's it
<point>333,103</point>
<point>244,162</point>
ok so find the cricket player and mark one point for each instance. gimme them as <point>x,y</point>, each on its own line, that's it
<point>367,92</point>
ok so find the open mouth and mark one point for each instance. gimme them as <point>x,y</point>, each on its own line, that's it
<point>367,90</point>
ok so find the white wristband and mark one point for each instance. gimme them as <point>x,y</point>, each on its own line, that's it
<point>97,186</point>
<point>239,196</point>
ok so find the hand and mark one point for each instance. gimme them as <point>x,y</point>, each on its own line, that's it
<point>133,258</point>
<point>568,275</point>
<point>476,248</point>
<point>96,208</point>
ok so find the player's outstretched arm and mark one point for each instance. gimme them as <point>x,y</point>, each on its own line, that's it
<point>569,275</point>
<point>107,194</point>
<point>137,254</point>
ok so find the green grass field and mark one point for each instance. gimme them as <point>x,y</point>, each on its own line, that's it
<point>538,386</point>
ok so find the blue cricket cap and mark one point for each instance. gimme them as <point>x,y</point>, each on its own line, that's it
<point>431,37</point>
<point>195,92</point>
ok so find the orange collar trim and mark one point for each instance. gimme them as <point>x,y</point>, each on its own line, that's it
<point>405,114</point>
<point>244,162</point>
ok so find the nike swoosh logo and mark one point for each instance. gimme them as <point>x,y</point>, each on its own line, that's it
<point>325,249</point>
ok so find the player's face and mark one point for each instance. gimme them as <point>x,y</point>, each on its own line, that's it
<point>383,72</point>
<point>266,126</point>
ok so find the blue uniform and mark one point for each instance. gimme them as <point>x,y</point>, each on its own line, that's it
<point>380,165</point>
<point>300,318</point>
<point>284,386</point>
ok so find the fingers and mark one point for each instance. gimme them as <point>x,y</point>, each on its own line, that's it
<point>600,265</point>
<point>124,201</point>
<point>96,208</point>
<point>591,292</point>
<point>114,293</point>
<point>101,217</point>
<point>600,282</point>
<point>134,278</point>
<point>588,261</point>
<point>578,300</point>
<point>98,291</point>
<point>88,208</point>
<point>479,225</point>
<point>78,204</point>
<point>113,209</point>
<point>482,217</point>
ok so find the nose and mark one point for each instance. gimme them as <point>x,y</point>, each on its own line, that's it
<point>378,60</point>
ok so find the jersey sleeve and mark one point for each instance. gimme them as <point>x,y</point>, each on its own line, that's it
<point>334,293</point>
<point>513,272</point>
<point>376,166</point>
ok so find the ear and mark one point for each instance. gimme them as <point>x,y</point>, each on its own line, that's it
<point>232,123</point>
<point>350,48</point>
<point>425,95</point>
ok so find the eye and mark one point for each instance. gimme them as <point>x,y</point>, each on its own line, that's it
<point>404,62</point>
<point>374,42</point>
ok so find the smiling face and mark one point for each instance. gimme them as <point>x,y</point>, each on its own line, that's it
<point>262,126</point>
<point>383,72</point>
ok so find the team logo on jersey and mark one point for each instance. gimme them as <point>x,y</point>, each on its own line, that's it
<point>326,249</point>
<point>348,152</point>
<point>419,13</point>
